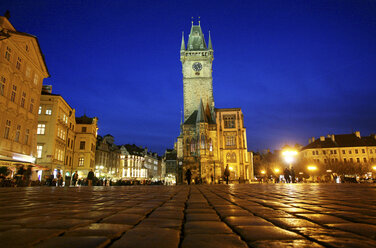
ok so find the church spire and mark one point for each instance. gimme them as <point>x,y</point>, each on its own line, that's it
<point>210,46</point>
<point>182,47</point>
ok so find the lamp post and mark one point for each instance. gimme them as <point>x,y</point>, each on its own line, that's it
<point>312,168</point>
<point>289,156</point>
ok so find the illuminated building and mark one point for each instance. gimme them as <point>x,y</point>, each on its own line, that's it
<point>55,133</point>
<point>22,70</point>
<point>210,138</point>
<point>343,148</point>
<point>107,157</point>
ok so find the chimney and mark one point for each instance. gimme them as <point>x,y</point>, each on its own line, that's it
<point>333,138</point>
<point>357,134</point>
<point>322,138</point>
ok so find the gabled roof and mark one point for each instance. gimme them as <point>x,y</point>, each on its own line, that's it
<point>342,140</point>
<point>192,119</point>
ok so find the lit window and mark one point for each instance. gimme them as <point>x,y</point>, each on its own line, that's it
<point>81,161</point>
<point>18,131</point>
<point>48,111</point>
<point>28,72</point>
<point>358,160</point>
<point>36,79</point>
<point>41,128</point>
<point>40,110</point>
<point>7,129</point>
<point>27,132</point>
<point>230,140</point>
<point>356,151</point>
<point>343,151</point>
<point>363,151</point>
<point>31,106</point>
<point>39,151</point>
<point>2,85</point>
<point>365,160</point>
<point>83,129</point>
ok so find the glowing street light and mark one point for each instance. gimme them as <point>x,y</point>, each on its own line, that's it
<point>263,172</point>
<point>289,155</point>
<point>276,170</point>
<point>374,167</point>
<point>312,167</point>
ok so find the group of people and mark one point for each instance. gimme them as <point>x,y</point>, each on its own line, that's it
<point>289,175</point>
<point>226,175</point>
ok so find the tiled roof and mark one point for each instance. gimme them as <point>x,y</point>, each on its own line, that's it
<point>84,120</point>
<point>342,140</point>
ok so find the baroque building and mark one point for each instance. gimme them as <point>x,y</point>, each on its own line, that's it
<point>22,70</point>
<point>211,138</point>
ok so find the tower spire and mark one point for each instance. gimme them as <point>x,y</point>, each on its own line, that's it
<point>182,47</point>
<point>210,46</point>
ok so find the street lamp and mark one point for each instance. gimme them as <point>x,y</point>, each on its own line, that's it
<point>312,168</point>
<point>263,172</point>
<point>289,156</point>
<point>276,170</point>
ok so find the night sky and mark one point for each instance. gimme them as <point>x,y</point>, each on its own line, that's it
<point>296,68</point>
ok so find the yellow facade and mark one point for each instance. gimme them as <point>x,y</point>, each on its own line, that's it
<point>55,133</point>
<point>348,148</point>
<point>22,70</point>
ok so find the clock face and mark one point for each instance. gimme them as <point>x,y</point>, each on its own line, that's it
<point>197,66</point>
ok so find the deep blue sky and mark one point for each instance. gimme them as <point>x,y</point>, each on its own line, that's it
<point>296,68</point>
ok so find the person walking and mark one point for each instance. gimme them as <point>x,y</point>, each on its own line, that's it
<point>227,173</point>
<point>292,173</point>
<point>75,178</point>
<point>188,175</point>
<point>286,174</point>
<point>90,177</point>
<point>59,179</point>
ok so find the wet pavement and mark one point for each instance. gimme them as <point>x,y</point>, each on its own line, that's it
<point>256,215</point>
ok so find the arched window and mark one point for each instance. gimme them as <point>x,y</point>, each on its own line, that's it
<point>203,141</point>
<point>233,157</point>
<point>210,145</point>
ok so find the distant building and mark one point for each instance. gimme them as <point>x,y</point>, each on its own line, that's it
<point>22,70</point>
<point>343,148</point>
<point>152,165</point>
<point>85,144</point>
<point>171,167</point>
<point>107,158</point>
<point>132,158</point>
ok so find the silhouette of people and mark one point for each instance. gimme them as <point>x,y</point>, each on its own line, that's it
<point>227,173</point>
<point>75,178</point>
<point>90,177</point>
<point>286,174</point>
<point>292,173</point>
<point>188,175</point>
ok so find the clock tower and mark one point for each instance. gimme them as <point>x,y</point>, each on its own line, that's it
<point>197,65</point>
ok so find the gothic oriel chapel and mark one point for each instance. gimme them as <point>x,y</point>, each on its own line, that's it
<point>210,138</point>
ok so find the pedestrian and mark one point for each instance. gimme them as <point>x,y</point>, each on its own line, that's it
<point>75,177</point>
<point>188,175</point>
<point>90,177</point>
<point>286,174</point>
<point>59,178</point>
<point>28,172</point>
<point>293,180</point>
<point>20,176</point>
<point>227,173</point>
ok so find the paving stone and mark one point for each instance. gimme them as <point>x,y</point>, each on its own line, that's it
<point>100,229</point>
<point>213,241</point>
<point>206,227</point>
<point>165,223</point>
<point>233,212</point>
<point>253,233</point>
<point>323,218</point>
<point>358,228</point>
<point>62,223</point>
<point>298,243</point>
<point>246,221</point>
<point>127,219</point>
<point>293,222</point>
<point>71,242</point>
<point>144,237</point>
<point>26,237</point>
<point>167,214</point>
<point>201,217</point>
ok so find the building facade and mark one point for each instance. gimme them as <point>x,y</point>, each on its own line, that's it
<point>211,139</point>
<point>107,158</point>
<point>55,133</point>
<point>22,70</point>
<point>343,148</point>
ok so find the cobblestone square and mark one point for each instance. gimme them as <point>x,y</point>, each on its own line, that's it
<point>249,215</point>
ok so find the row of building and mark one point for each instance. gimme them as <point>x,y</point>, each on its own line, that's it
<point>41,129</point>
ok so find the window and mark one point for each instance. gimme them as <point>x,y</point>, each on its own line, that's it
<point>40,110</point>
<point>23,99</point>
<point>210,145</point>
<point>313,152</point>
<point>31,106</point>
<point>81,161</point>
<point>335,151</point>
<point>36,79</point>
<point>18,65</point>
<point>13,95</point>
<point>230,141</point>
<point>48,111</point>
<point>370,151</point>
<point>8,53</point>
<point>365,160</point>
<point>18,131</point>
<point>2,85</point>
<point>331,151</point>
<point>363,151</point>
<point>39,151</point>
<point>349,151</point>
<point>28,72</point>
<point>357,160</point>
<point>317,152</point>
<point>351,160</point>
<point>356,151</point>
<point>27,133</point>
<point>229,121</point>
<point>324,160</point>
<point>372,159</point>
<point>82,145</point>
<point>345,160</point>
<point>324,152</point>
<point>41,128</point>
<point>83,129</point>
<point>343,151</point>
<point>68,141</point>
<point>65,118</point>
<point>7,129</point>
